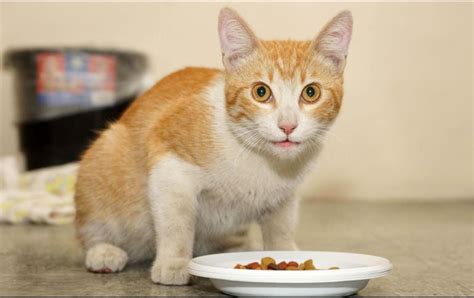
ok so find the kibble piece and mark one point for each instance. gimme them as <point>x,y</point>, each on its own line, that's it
<point>292,268</point>
<point>282,265</point>
<point>333,268</point>
<point>308,265</point>
<point>267,261</point>
<point>301,266</point>
<point>293,264</point>
<point>272,266</point>
<point>253,265</point>
<point>239,266</point>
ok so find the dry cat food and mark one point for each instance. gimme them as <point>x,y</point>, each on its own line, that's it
<point>269,263</point>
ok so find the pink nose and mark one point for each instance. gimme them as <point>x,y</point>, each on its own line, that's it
<point>288,127</point>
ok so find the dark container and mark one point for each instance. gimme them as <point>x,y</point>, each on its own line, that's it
<point>63,139</point>
<point>65,95</point>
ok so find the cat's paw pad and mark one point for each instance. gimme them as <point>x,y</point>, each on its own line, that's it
<point>170,272</point>
<point>105,258</point>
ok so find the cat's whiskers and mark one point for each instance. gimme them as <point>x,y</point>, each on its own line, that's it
<point>332,135</point>
<point>253,142</point>
<point>246,144</point>
<point>245,132</point>
<point>315,142</point>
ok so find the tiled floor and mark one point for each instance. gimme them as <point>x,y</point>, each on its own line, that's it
<point>429,244</point>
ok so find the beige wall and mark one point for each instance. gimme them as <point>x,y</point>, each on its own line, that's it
<point>405,131</point>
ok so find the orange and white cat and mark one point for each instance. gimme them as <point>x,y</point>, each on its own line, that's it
<point>206,151</point>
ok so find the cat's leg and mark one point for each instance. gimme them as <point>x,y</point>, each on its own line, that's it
<point>105,258</point>
<point>278,227</point>
<point>173,200</point>
<point>232,241</point>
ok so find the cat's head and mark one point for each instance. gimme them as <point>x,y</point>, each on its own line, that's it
<point>281,96</point>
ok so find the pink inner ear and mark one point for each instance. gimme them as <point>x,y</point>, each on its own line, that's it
<point>235,37</point>
<point>223,34</point>
<point>333,41</point>
<point>343,43</point>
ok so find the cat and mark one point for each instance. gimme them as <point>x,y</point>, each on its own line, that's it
<point>205,152</point>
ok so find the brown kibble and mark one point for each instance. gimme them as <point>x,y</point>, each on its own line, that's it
<point>282,265</point>
<point>272,266</point>
<point>292,264</point>
<point>308,265</point>
<point>253,265</point>
<point>267,261</point>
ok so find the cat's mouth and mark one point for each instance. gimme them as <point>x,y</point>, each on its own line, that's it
<point>286,144</point>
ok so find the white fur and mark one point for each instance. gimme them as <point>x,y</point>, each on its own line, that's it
<point>136,237</point>
<point>106,258</point>
<point>192,206</point>
<point>173,188</point>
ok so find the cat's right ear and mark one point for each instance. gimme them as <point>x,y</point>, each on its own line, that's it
<point>237,39</point>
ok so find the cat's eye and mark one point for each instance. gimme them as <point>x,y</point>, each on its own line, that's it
<point>311,93</point>
<point>261,92</point>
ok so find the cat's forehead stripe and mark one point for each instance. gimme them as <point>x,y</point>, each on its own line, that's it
<point>270,75</point>
<point>286,57</point>
<point>303,76</point>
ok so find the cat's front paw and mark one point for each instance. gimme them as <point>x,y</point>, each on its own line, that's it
<point>170,272</point>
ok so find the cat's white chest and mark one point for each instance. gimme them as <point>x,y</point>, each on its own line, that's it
<point>238,192</point>
<point>240,186</point>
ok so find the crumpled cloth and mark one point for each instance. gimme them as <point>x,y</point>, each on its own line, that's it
<point>40,196</point>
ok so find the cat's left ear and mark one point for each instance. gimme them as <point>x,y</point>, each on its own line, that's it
<point>332,43</point>
<point>236,38</point>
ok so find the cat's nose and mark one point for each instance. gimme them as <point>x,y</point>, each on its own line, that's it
<point>287,127</point>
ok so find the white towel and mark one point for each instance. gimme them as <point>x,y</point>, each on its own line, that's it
<point>40,196</point>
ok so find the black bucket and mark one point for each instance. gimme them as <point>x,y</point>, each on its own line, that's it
<point>64,96</point>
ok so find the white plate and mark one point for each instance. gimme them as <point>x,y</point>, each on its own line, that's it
<point>355,272</point>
